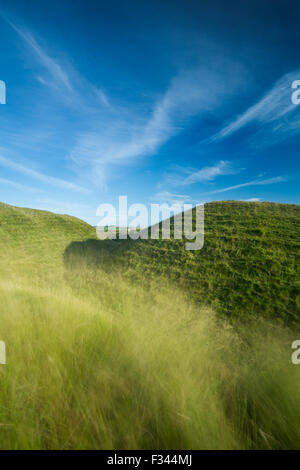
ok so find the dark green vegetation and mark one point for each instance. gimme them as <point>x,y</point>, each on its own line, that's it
<point>247,267</point>
<point>106,351</point>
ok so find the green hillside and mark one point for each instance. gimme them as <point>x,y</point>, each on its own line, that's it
<point>111,344</point>
<point>35,240</point>
<point>247,267</point>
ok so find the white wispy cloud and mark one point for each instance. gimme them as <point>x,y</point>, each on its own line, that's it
<point>18,186</point>
<point>182,176</point>
<point>54,68</point>
<point>118,135</point>
<point>277,179</point>
<point>272,110</point>
<point>61,76</point>
<point>60,183</point>
<point>70,89</point>
<point>120,139</point>
<point>209,173</point>
<point>102,96</point>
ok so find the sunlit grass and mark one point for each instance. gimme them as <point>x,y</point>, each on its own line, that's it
<point>139,369</point>
<point>97,360</point>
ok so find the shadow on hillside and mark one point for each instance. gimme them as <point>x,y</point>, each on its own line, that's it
<point>93,253</point>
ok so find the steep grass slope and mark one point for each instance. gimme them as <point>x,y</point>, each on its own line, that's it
<point>249,265</point>
<point>33,241</point>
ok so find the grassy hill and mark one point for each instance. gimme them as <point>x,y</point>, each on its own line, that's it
<point>247,267</point>
<point>106,350</point>
<point>35,240</point>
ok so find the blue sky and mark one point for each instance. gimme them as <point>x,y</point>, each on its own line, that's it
<point>162,101</point>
